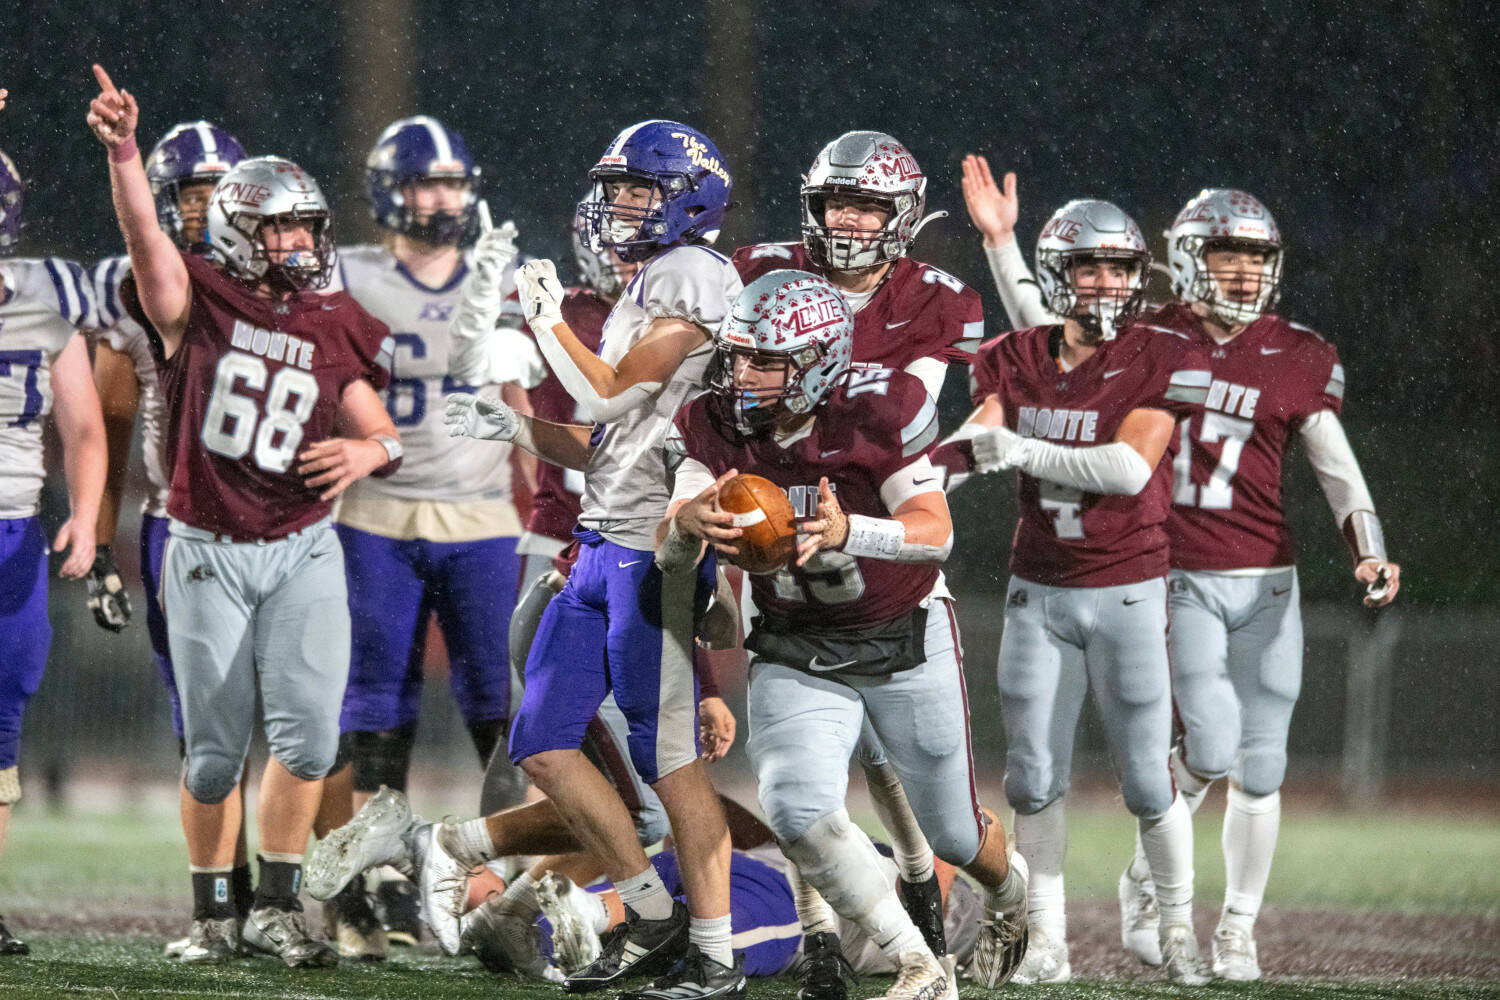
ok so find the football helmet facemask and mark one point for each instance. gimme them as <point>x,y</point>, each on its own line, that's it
<point>689,183</point>
<point>414,149</point>
<point>788,319</point>
<point>599,269</point>
<point>1225,219</point>
<point>1083,231</point>
<point>190,153</point>
<point>258,191</point>
<point>864,165</point>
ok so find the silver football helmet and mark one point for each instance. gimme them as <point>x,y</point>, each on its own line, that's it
<point>1222,218</point>
<point>263,189</point>
<point>867,165</point>
<point>788,318</point>
<point>1091,230</point>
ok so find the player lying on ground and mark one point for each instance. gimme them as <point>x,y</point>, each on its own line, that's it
<point>1084,411</point>
<point>260,376</point>
<point>1236,639</point>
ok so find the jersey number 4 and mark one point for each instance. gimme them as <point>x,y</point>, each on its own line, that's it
<point>235,422</point>
<point>1218,492</point>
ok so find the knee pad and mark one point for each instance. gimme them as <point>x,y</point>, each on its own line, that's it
<point>1209,757</point>
<point>1261,771</point>
<point>10,785</point>
<point>835,857</point>
<point>211,777</point>
<point>1027,793</point>
<point>789,805</point>
<point>528,615</point>
<point>382,758</point>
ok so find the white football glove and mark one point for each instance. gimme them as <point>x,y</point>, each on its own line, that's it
<point>541,295</point>
<point>997,449</point>
<point>481,417</point>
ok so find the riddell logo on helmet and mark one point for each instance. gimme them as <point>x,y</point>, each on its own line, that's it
<point>1066,230</point>
<point>245,194</point>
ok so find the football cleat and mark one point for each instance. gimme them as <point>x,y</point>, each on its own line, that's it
<point>283,933</point>
<point>210,942</point>
<point>923,902</point>
<point>1003,934</point>
<point>1179,955</point>
<point>1235,955</point>
<point>1046,960</point>
<point>398,904</point>
<point>575,943</point>
<point>824,968</point>
<point>1140,920</point>
<point>923,977</point>
<point>350,923</point>
<point>444,887</point>
<point>371,838</point>
<point>638,947</point>
<point>695,977</point>
<point>10,944</point>
<point>506,942</point>
<point>174,949</point>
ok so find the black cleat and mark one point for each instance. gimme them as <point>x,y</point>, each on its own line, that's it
<point>638,947</point>
<point>923,902</point>
<point>824,968</point>
<point>695,977</point>
<point>10,944</point>
<point>399,908</point>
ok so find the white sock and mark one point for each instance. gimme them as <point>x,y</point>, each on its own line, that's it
<point>520,896</point>
<point>712,936</point>
<point>1010,892</point>
<point>1251,825</point>
<point>646,895</point>
<point>908,844</point>
<point>474,846</point>
<point>814,912</point>
<point>1168,843</point>
<point>1189,785</point>
<point>1042,838</point>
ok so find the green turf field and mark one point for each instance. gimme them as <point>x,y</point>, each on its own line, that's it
<point>97,895</point>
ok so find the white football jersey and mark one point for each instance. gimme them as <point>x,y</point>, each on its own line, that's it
<point>436,466</point>
<point>124,334</point>
<point>625,485</point>
<point>41,306</point>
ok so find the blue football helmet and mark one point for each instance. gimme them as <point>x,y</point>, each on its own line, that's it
<point>415,149</point>
<point>10,204</point>
<point>190,153</point>
<point>690,191</point>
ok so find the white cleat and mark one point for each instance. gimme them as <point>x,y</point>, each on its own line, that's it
<point>210,942</point>
<point>1179,956</point>
<point>371,838</point>
<point>1046,960</point>
<point>1235,957</point>
<point>444,886</point>
<point>923,977</point>
<point>1140,920</point>
<point>507,942</point>
<point>575,943</point>
<point>1003,936</point>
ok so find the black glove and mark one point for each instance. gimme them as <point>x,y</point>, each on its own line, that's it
<point>108,599</point>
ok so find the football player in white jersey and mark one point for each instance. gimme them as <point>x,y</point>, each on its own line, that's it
<point>439,536</point>
<point>660,193</point>
<point>182,168</point>
<point>44,369</point>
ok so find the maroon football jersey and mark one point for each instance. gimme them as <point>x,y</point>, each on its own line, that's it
<point>252,383</point>
<point>919,312</point>
<point>874,424</point>
<point>1066,537</point>
<point>554,508</point>
<point>1227,465</point>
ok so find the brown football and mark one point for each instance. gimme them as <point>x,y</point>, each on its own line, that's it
<point>763,511</point>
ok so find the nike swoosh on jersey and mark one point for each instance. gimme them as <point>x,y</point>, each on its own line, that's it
<point>892,326</point>
<point>832,451</point>
<point>633,562</point>
<point>1128,602</point>
<point>1113,373</point>
<point>816,664</point>
<point>1272,350</point>
<point>1279,593</point>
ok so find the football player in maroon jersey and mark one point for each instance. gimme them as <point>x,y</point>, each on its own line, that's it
<point>259,374</point>
<point>863,203</point>
<point>860,630</point>
<point>1085,411</point>
<point>1236,639</point>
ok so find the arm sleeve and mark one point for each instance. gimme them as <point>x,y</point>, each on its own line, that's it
<point>1107,468</point>
<point>1019,293</point>
<point>1335,465</point>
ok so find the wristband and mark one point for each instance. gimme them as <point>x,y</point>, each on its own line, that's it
<point>125,151</point>
<point>1363,533</point>
<point>678,552</point>
<point>874,537</point>
<point>392,446</point>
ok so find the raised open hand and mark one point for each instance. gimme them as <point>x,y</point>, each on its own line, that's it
<point>992,210</point>
<point>114,114</point>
